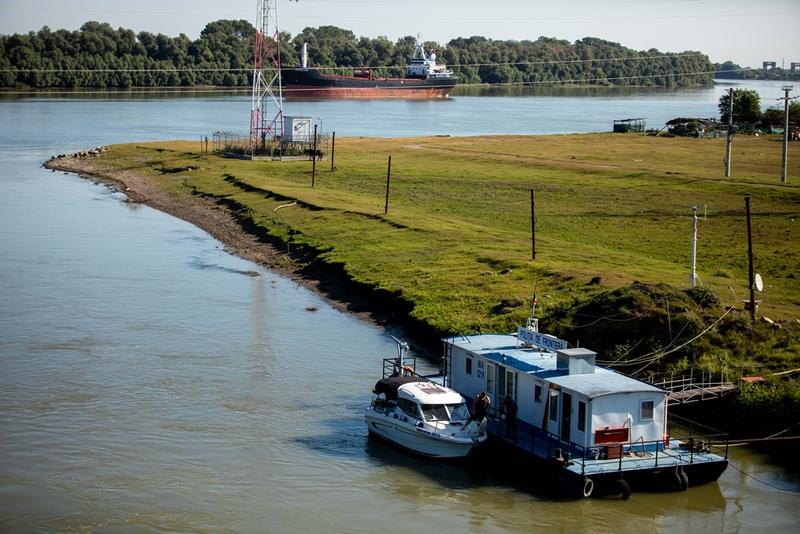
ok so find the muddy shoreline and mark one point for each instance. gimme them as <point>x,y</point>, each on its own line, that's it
<point>226,223</point>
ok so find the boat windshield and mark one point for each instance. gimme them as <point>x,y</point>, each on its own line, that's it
<point>458,412</point>
<point>434,412</point>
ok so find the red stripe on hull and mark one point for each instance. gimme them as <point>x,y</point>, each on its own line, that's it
<point>416,93</point>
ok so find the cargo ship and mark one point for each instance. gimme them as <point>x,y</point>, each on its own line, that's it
<point>424,79</point>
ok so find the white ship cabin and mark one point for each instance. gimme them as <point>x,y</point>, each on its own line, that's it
<point>559,391</point>
<point>423,65</point>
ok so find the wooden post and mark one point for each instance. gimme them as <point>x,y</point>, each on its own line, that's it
<point>730,137</point>
<point>314,158</point>
<point>333,149</point>
<point>750,262</point>
<point>784,156</point>
<point>533,227</point>
<point>388,181</point>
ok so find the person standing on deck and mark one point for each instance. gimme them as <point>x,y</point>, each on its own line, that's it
<point>508,408</point>
<point>480,407</point>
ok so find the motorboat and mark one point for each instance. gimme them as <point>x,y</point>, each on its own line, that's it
<point>424,417</point>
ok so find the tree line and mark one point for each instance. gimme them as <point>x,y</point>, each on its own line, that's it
<point>732,71</point>
<point>98,55</point>
<point>747,112</point>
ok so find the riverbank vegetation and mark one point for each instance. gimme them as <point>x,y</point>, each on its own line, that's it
<point>613,239</point>
<point>98,55</point>
<point>747,113</point>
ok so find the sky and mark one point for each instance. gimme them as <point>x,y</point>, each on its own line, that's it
<point>746,32</point>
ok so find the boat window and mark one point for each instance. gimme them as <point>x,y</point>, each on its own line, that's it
<point>510,380</point>
<point>469,366</point>
<point>408,407</point>
<point>458,412</point>
<point>435,412</point>
<point>491,369</point>
<point>581,416</point>
<point>537,393</point>
<point>553,405</point>
<point>647,410</point>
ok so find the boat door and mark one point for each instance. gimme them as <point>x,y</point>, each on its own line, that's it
<point>566,415</point>
<point>499,383</point>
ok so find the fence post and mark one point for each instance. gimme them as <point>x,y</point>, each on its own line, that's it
<point>314,158</point>
<point>388,181</point>
<point>333,149</point>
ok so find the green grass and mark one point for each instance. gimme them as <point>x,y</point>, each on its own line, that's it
<point>456,241</point>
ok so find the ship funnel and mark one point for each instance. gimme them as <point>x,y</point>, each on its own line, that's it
<point>304,56</point>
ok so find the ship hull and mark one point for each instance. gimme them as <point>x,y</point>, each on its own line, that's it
<point>310,83</point>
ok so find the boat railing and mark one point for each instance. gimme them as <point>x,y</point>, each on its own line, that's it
<point>402,366</point>
<point>682,447</point>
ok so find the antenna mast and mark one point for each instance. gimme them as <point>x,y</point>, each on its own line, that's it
<point>266,125</point>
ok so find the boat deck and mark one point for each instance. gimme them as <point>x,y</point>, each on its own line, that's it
<point>615,458</point>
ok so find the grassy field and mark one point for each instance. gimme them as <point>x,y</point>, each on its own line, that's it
<point>613,235</point>
<point>456,241</point>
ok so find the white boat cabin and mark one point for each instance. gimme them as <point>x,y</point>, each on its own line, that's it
<point>558,390</point>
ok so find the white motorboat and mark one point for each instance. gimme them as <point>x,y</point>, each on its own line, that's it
<point>424,417</point>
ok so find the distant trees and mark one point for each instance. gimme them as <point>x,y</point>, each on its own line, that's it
<point>746,106</point>
<point>731,71</point>
<point>774,115</point>
<point>98,55</point>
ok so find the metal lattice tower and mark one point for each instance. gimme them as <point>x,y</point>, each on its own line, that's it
<point>266,110</point>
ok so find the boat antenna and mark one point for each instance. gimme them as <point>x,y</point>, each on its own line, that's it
<point>402,349</point>
<point>533,322</point>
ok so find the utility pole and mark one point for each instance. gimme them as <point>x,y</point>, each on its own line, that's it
<point>533,227</point>
<point>693,275</point>
<point>750,262</point>
<point>729,140</point>
<point>785,158</point>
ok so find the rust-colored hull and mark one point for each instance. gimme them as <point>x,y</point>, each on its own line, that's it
<point>420,93</point>
<point>311,83</point>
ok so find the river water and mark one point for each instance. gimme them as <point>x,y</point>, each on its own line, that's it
<point>151,382</point>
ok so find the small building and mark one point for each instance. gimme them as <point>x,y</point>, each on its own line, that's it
<point>794,66</point>
<point>298,129</point>
<point>768,65</point>
<point>629,125</point>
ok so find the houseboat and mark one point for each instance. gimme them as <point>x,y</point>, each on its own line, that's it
<point>595,431</point>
